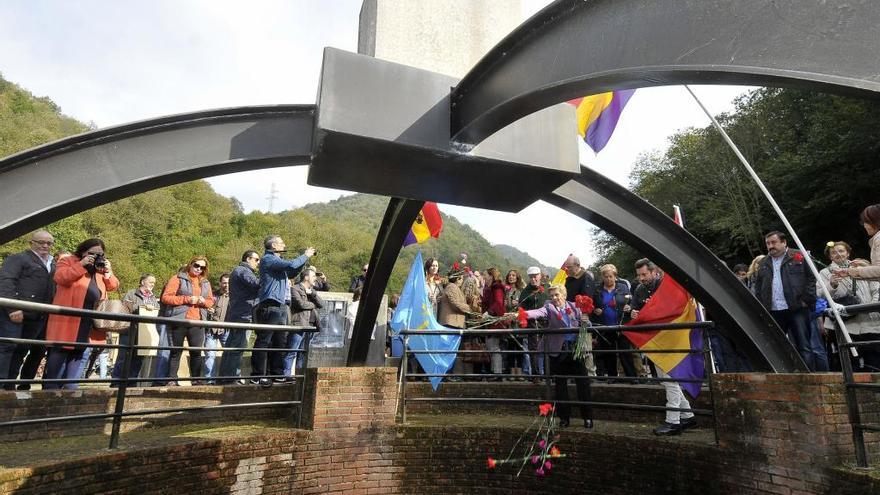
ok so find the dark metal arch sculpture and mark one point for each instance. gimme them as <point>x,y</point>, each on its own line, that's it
<point>94,168</point>
<point>809,44</point>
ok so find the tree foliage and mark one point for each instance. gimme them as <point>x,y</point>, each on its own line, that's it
<point>815,152</point>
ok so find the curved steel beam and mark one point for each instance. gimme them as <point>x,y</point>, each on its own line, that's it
<point>574,48</point>
<point>398,219</point>
<point>613,208</point>
<point>45,184</point>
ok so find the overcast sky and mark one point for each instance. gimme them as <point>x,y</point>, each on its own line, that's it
<point>111,62</point>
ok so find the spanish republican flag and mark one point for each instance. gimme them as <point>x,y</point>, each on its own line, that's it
<point>671,303</point>
<point>428,224</point>
<point>597,116</point>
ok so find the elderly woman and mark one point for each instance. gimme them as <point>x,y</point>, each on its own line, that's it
<point>612,308</point>
<point>188,296</point>
<point>562,314</point>
<point>83,280</point>
<point>846,290</point>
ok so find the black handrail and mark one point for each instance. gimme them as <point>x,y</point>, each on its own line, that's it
<point>128,355</point>
<point>548,377</point>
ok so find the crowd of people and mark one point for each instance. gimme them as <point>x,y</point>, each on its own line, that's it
<point>271,289</point>
<point>267,289</point>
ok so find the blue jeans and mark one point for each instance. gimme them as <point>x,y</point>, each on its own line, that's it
<point>121,356</point>
<point>215,342</point>
<point>817,347</point>
<point>64,364</point>
<point>163,356</point>
<point>796,325</point>
<point>230,365</point>
<point>294,342</point>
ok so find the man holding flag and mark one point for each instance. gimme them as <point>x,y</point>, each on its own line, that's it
<point>669,303</point>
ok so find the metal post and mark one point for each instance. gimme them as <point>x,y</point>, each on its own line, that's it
<point>403,376</point>
<point>123,385</point>
<point>808,259</point>
<point>301,386</point>
<point>707,364</point>
<point>852,404</point>
<point>547,380</point>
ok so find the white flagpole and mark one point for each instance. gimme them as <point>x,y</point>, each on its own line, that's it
<point>825,292</point>
<point>701,313</point>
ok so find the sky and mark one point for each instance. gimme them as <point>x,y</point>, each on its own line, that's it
<point>112,62</point>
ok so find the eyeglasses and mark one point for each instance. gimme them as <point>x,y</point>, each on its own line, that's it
<point>200,267</point>
<point>43,243</point>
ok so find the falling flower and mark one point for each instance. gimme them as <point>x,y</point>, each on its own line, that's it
<point>540,471</point>
<point>545,409</point>
<point>535,459</point>
<point>542,443</point>
<point>554,451</point>
<point>491,463</point>
<point>548,465</point>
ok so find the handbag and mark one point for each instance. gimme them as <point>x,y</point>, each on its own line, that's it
<point>476,344</point>
<point>111,306</point>
<point>850,299</point>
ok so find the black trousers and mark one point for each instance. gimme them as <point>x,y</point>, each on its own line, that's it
<point>26,358</point>
<point>607,363</point>
<point>195,337</point>
<point>565,364</point>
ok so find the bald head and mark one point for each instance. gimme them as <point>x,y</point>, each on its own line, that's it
<point>41,242</point>
<point>572,265</point>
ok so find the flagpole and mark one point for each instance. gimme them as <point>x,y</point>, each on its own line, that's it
<point>825,292</point>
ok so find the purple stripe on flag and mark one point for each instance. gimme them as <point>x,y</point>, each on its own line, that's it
<point>410,238</point>
<point>600,130</point>
<point>692,367</point>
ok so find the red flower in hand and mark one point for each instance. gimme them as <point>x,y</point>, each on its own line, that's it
<point>584,303</point>
<point>491,462</point>
<point>545,408</point>
<point>455,266</point>
<point>522,318</point>
<point>798,257</point>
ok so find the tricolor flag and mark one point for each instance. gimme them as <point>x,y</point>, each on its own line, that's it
<point>671,303</point>
<point>597,116</point>
<point>428,224</point>
<point>561,275</point>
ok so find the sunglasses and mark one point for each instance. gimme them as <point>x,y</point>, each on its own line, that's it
<point>200,267</point>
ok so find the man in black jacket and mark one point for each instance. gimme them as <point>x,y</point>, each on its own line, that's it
<point>28,276</point>
<point>787,288</point>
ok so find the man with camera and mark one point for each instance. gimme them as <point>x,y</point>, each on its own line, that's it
<point>27,276</point>
<point>304,301</point>
<point>273,307</point>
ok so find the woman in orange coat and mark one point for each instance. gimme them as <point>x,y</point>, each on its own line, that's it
<point>187,295</point>
<point>83,280</point>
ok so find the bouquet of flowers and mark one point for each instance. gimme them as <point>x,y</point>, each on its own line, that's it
<point>543,450</point>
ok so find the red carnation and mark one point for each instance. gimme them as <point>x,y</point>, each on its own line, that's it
<point>584,303</point>
<point>541,289</point>
<point>798,257</point>
<point>522,318</point>
<point>559,316</point>
<point>568,310</point>
<point>467,269</point>
<point>613,303</point>
<point>545,408</point>
<point>455,266</point>
<point>491,462</point>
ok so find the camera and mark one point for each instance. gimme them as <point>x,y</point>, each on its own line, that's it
<point>100,261</point>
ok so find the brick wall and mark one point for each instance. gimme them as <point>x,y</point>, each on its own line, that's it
<point>780,434</point>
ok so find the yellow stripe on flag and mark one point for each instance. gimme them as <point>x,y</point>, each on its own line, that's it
<point>590,108</point>
<point>672,339</point>
<point>560,277</point>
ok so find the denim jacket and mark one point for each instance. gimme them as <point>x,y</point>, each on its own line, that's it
<point>275,273</point>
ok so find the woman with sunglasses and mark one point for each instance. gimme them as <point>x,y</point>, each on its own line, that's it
<point>83,280</point>
<point>188,296</point>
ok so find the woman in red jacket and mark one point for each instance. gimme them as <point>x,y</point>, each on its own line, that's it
<point>83,280</point>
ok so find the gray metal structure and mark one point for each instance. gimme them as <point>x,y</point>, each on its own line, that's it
<point>828,45</point>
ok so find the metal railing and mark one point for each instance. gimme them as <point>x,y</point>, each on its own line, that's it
<point>852,401</point>
<point>127,353</point>
<point>548,377</point>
